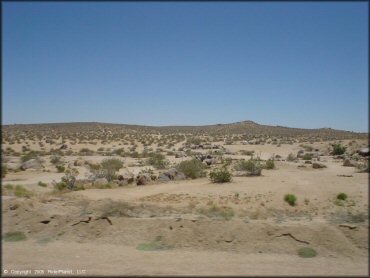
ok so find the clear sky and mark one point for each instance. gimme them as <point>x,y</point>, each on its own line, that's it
<point>294,64</point>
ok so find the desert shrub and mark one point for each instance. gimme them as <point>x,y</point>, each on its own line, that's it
<point>342,196</point>
<point>55,159</point>
<point>215,211</point>
<point>245,152</point>
<point>158,161</point>
<point>252,166</point>
<point>270,164</point>
<point>291,157</point>
<point>20,191</point>
<point>307,252</point>
<point>86,151</point>
<point>290,199</point>
<point>307,156</point>
<point>192,168</point>
<point>220,175</point>
<point>109,167</point>
<point>69,179</point>
<point>28,156</point>
<point>42,184</point>
<point>14,236</point>
<point>60,186</point>
<point>338,149</point>
<point>4,170</point>
<point>60,168</point>
<point>9,186</point>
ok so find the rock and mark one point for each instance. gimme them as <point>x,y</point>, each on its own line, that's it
<point>143,179</point>
<point>208,161</point>
<point>127,177</point>
<point>349,163</point>
<point>63,147</point>
<point>317,165</point>
<point>163,178</point>
<point>100,181</point>
<point>31,164</point>
<point>171,174</point>
<point>79,162</point>
<point>180,176</point>
<point>364,152</point>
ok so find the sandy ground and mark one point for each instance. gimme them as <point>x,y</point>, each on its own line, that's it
<point>197,227</point>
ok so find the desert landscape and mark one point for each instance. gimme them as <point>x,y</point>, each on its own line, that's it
<point>223,199</point>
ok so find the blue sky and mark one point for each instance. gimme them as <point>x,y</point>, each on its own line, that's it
<point>295,64</point>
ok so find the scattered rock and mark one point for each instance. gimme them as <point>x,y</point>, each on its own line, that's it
<point>143,179</point>
<point>349,163</point>
<point>31,164</point>
<point>364,152</point>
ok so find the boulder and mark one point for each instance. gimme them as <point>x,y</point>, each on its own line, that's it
<point>127,177</point>
<point>349,163</point>
<point>143,179</point>
<point>171,174</point>
<point>163,178</point>
<point>364,152</point>
<point>79,162</point>
<point>31,164</point>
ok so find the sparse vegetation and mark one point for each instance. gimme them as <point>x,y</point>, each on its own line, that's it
<point>42,184</point>
<point>14,236</point>
<point>342,196</point>
<point>220,175</point>
<point>291,199</point>
<point>158,161</point>
<point>192,168</point>
<point>253,166</point>
<point>4,170</point>
<point>307,252</point>
<point>20,191</point>
<point>338,149</point>
<point>270,164</point>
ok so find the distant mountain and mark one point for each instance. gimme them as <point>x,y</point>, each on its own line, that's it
<point>248,128</point>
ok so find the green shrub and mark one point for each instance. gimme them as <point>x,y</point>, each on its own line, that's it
<point>307,252</point>
<point>110,167</point>
<point>220,175</point>
<point>290,199</point>
<point>60,186</point>
<point>192,168</point>
<point>338,149</point>
<point>42,184</point>
<point>270,164</point>
<point>342,196</point>
<point>14,236</point>
<point>307,156</point>
<point>60,168</point>
<point>253,166</point>
<point>158,161</point>
<point>20,191</point>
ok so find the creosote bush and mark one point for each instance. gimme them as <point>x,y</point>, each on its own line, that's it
<point>342,196</point>
<point>158,161</point>
<point>290,199</point>
<point>220,175</point>
<point>338,149</point>
<point>192,168</point>
<point>270,164</point>
<point>253,166</point>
